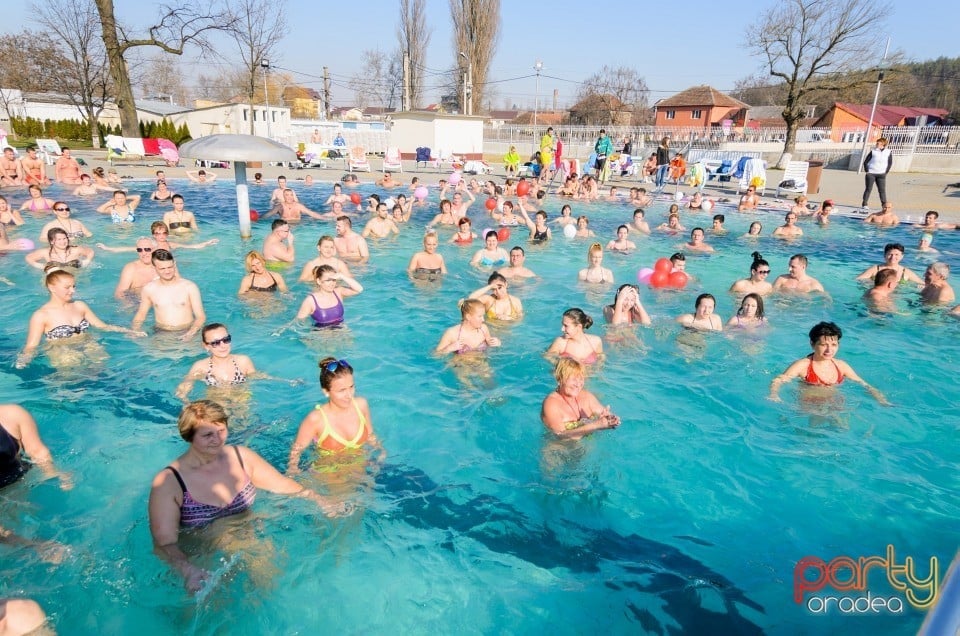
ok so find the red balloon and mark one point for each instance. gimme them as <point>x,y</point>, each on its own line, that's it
<point>678,280</point>
<point>491,204</point>
<point>254,215</point>
<point>503,234</point>
<point>659,279</point>
<point>523,188</point>
<point>663,265</point>
<point>355,198</point>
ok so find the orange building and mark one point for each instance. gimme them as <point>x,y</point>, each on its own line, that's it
<point>848,121</point>
<point>700,107</point>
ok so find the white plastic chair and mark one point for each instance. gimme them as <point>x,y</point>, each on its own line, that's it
<point>796,172</point>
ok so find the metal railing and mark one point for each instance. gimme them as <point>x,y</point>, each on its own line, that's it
<point>944,140</point>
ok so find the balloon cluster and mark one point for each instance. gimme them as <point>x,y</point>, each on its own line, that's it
<point>662,275</point>
<point>503,234</point>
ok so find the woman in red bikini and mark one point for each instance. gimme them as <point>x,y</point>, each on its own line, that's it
<point>821,368</point>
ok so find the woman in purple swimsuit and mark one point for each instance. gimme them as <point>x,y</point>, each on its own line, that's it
<point>325,305</point>
<point>195,489</point>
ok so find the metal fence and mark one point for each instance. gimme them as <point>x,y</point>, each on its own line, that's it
<point>942,140</point>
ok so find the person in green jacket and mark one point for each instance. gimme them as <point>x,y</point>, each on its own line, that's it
<point>603,148</point>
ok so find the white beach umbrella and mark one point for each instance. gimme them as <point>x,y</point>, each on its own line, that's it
<point>238,149</point>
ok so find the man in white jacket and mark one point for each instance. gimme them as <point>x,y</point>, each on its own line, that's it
<point>877,164</point>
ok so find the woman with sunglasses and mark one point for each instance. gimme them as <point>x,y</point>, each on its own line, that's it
<point>757,282</point>
<point>74,228</point>
<point>222,369</point>
<point>340,425</point>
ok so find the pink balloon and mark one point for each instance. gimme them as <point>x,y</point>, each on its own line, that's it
<point>420,193</point>
<point>454,178</point>
<point>643,276</point>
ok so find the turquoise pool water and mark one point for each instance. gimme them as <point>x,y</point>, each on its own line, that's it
<point>688,518</point>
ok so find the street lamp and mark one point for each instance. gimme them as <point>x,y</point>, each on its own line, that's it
<point>467,86</point>
<point>873,110</point>
<point>265,65</point>
<point>536,100</point>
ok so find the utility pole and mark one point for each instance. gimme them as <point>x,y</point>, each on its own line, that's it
<point>326,93</point>
<point>536,100</point>
<point>407,106</point>
<point>470,88</point>
<point>265,65</point>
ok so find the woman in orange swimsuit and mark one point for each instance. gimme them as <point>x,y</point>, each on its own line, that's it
<point>342,424</point>
<point>821,368</point>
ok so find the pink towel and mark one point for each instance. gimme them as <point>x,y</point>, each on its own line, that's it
<point>168,150</point>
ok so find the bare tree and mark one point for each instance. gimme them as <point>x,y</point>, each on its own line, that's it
<point>414,38</point>
<point>476,31</point>
<point>177,27</point>
<point>221,86</point>
<point>259,25</point>
<point>811,45</point>
<point>163,78</point>
<point>378,81</point>
<point>613,95</point>
<point>32,68</point>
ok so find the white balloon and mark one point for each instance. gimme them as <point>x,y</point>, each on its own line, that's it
<point>390,202</point>
<point>707,205</point>
<point>569,230</point>
<point>678,196</point>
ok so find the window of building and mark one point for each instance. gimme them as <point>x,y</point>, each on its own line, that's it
<point>671,114</point>
<point>696,114</point>
<point>246,114</point>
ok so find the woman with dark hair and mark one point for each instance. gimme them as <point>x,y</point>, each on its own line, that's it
<point>822,368</point>
<point>498,302</point>
<point>74,228</point>
<point>325,306</point>
<point>342,424</point>
<point>575,342</point>
<point>892,256</point>
<point>756,283</point>
<point>60,253</point>
<point>223,368</point>
<point>703,318</point>
<point>626,308</point>
<point>750,315</point>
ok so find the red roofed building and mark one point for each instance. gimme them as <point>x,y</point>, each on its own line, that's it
<point>848,121</point>
<point>700,107</point>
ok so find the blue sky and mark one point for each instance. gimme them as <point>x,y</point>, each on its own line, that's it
<point>672,46</point>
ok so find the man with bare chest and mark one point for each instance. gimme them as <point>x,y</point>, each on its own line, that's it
<point>34,169</point>
<point>350,245</point>
<point>138,273</point>
<point>175,301</point>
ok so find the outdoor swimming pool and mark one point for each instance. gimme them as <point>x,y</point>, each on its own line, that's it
<point>689,517</point>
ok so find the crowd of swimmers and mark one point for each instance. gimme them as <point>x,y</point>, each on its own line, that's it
<point>212,479</point>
